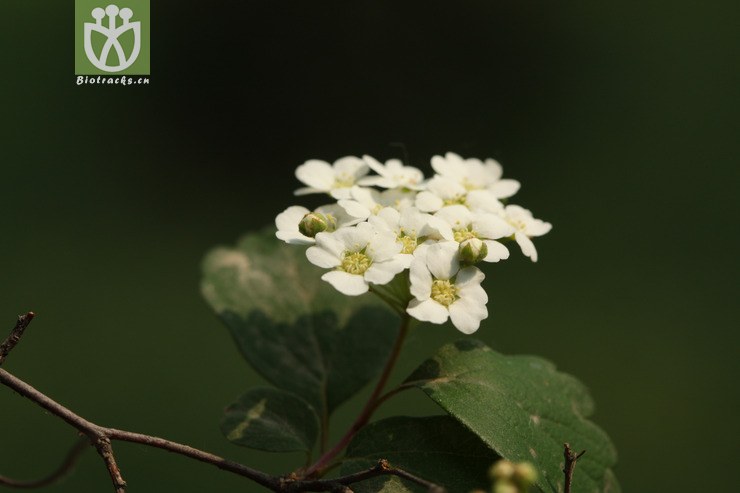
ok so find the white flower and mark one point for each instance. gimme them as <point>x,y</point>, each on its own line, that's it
<point>487,227</point>
<point>393,174</point>
<point>336,179</point>
<point>441,191</point>
<point>442,290</point>
<point>359,255</point>
<point>365,202</point>
<point>473,174</point>
<point>526,227</point>
<point>288,222</point>
<point>411,227</point>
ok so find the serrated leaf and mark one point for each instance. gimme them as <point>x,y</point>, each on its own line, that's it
<point>435,448</point>
<point>272,420</point>
<point>294,328</point>
<point>523,409</point>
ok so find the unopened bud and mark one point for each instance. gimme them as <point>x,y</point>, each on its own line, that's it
<point>525,474</point>
<point>473,250</point>
<point>505,487</point>
<point>502,469</point>
<point>312,224</point>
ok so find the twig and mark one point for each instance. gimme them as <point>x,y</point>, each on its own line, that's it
<point>570,465</point>
<point>15,335</point>
<point>100,437</point>
<point>382,468</point>
<point>65,468</point>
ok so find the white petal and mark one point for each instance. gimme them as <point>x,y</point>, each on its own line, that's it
<point>374,164</point>
<point>526,245</point>
<point>466,314</point>
<point>470,276</point>
<point>437,228</point>
<point>493,169</point>
<point>450,166</point>
<point>316,174</point>
<point>294,238</point>
<point>492,226</point>
<point>373,181</point>
<point>322,258</point>
<point>505,188</point>
<point>390,217</point>
<point>384,272</point>
<point>538,228</point>
<point>350,166</point>
<point>397,198</point>
<point>457,216</point>
<point>483,201</point>
<point>446,188</point>
<point>518,213</point>
<point>289,219</point>
<point>341,193</point>
<point>353,238</point>
<point>496,251</point>
<point>307,191</point>
<point>428,202</point>
<point>349,284</point>
<point>354,208</point>
<point>421,279</point>
<point>331,243</point>
<point>428,311</point>
<point>442,259</point>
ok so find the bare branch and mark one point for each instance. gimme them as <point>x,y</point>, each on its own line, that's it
<point>570,465</point>
<point>100,437</point>
<point>382,468</point>
<point>60,473</point>
<point>15,335</point>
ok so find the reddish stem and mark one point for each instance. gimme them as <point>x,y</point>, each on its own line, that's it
<point>370,406</point>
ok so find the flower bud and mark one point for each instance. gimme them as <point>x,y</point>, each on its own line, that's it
<point>525,474</point>
<point>312,224</point>
<point>502,469</point>
<point>473,250</point>
<point>505,487</point>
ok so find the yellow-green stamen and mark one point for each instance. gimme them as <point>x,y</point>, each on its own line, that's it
<point>355,263</point>
<point>409,243</point>
<point>461,235</point>
<point>456,200</point>
<point>444,292</point>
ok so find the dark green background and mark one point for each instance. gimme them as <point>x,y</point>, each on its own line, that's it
<point>619,119</point>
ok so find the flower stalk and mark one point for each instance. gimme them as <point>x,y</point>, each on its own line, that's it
<point>325,461</point>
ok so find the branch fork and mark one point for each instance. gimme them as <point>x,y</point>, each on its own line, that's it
<point>101,439</point>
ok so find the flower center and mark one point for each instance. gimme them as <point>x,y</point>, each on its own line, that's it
<point>355,263</point>
<point>409,243</point>
<point>444,292</point>
<point>517,224</point>
<point>461,235</point>
<point>470,186</point>
<point>456,200</point>
<point>343,180</point>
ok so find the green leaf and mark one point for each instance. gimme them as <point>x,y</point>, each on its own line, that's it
<point>435,448</point>
<point>523,409</point>
<point>272,420</point>
<point>292,327</point>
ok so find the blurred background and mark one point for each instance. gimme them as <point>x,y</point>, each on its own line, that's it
<point>619,119</point>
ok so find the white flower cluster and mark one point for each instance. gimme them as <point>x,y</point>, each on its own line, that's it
<point>437,229</point>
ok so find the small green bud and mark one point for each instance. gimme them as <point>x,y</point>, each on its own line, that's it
<point>473,250</point>
<point>525,474</point>
<point>312,224</point>
<point>502,469</point>
<point>505,487</point>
